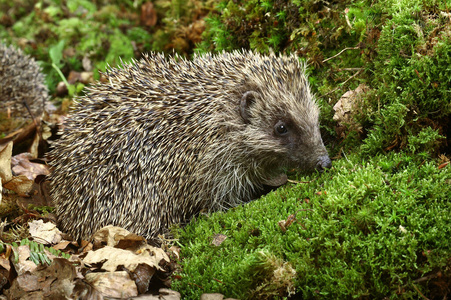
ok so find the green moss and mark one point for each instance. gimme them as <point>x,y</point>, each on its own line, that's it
<point>365,229</point>
<point>411,71</point>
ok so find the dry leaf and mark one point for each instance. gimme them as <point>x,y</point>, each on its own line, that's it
<point>5,162</point>
<point>28,282</point>
<point>113,284</point>
<point>6,272</point>
<point>48,282</point>
<point>176,251</point>
<point>113,235</point>
<point>45,233</point>
<point>114,257</point>
<point>21,165</point>
<point>33,148</point>
<point>142,276</point>
<point>21,185</point>
<point>443,165</point>
<point>4,263</point>
<point>61,245</point>
<point>346,107</point>
<point>348,103</point>
<point>24,265</point>
<point>218,239</point>
<point>282,226</point>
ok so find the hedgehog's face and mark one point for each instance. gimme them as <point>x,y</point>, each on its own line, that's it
<point>301,142</point>
<point>285,129</point>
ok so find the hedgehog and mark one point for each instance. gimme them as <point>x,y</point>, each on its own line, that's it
<point>166,138</point>
<point>22,89</point>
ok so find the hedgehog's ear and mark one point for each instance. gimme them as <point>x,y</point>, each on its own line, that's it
<point>246,100</point>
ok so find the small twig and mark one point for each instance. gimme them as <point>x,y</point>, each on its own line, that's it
<point>422,163</point>
<point>421,294</point>
<point>350,69</point>
<point>429,277</point>
<point>339,53</point>
<point>357,73</point>
<point>195,285</point>
<point>344,154</point>
<point>31,114</point>
<point>347,19</point>
<point>295,181</point>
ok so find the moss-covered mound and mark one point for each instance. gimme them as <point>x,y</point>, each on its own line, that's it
<point>370,229</point>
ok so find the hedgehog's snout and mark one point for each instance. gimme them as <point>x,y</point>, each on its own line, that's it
<point>323,163</point>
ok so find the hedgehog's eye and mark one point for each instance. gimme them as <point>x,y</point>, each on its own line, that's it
<point>281,128</point>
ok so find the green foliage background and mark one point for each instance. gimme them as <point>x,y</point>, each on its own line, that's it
<point>382,227</point>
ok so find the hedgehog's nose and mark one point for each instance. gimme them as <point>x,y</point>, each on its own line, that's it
<point>323,163</point>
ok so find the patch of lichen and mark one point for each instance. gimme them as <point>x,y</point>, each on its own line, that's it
<point>373,229</point>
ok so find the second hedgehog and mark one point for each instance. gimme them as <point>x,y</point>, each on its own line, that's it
<point>167,137</point>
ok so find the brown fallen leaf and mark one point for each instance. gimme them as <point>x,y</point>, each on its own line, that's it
<point>218,239</point>
<point>23,265</point>
<point>84,290</point>
<point>175,251</point>
<point>21,165</point>
<point>5,162</point>
<point>61,245</point>
<point>24,133</point>
<point>28,282</point>
<point>21,185</point>
<point>114,236</point>
<point>5,270</point>
<point>113,284</point>
<point>46,282</point>
<point>443,165</point>
<point>111,258</point>
<point>282,226</point>
<point>346,107</point>
<point>142,276</point>
<point>4,262</point>
<point>167,294</point>
<point>131,241</point>
<point>45,233</point>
